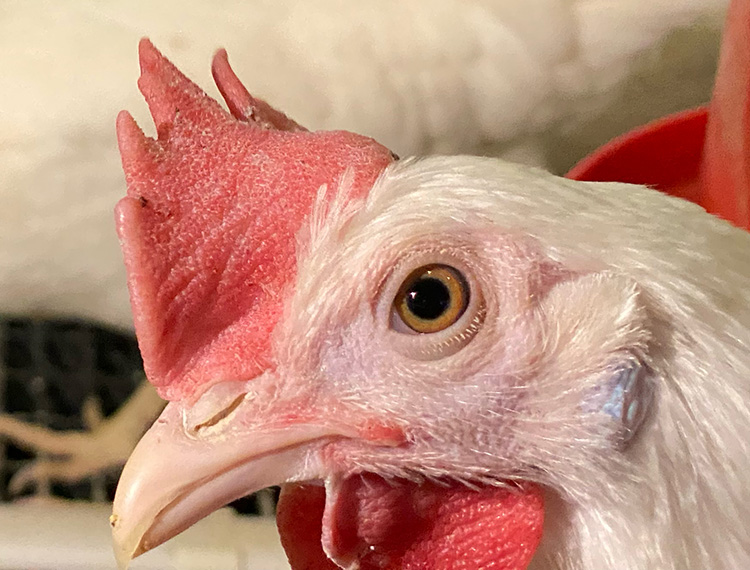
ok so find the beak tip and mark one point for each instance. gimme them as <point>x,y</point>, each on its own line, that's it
<point>126,548</point>
<point>122,557</point>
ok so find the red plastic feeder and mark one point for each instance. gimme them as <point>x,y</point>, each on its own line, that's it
<point>701,155</point>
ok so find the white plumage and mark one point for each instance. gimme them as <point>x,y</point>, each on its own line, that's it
<point>666,282</point>
<point>645,277</point>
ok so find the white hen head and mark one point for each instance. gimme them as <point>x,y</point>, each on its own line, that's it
<point>457,341</point>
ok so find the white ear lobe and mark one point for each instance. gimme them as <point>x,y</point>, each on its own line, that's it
<point>596,336</point>
<point>590,318</point>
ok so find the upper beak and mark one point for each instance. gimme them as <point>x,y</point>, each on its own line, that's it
<point>183,470</point>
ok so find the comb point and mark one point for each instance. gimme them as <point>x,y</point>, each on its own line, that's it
<point>136,149</point>
<point>169,92</point>
<point>242,105</point>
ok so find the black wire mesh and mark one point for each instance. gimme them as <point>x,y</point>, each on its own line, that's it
<point>48,370</point>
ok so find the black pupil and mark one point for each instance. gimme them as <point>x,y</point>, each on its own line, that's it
<point>428,298</point>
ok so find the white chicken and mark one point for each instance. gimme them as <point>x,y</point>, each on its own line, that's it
<point>450,350</point>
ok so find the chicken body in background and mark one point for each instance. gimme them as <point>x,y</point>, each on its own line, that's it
<point>460,343</point>
<point>510,77</point>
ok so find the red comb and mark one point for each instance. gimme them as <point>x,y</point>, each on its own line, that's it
<point>701,155</point>
<point>208,228</point>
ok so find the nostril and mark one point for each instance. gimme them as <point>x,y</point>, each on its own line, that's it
<point>222,414</point>
<point>213,407</point>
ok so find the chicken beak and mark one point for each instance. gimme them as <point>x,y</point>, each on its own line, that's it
<point>181,470</point>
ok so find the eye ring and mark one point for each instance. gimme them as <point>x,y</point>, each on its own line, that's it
<point>432,298</point>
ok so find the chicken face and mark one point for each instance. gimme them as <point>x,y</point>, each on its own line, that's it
<point>452,347</point>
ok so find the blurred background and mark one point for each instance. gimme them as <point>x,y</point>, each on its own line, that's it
<point>538,81</point>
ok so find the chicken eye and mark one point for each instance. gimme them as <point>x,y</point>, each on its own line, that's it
<point>432,298</point>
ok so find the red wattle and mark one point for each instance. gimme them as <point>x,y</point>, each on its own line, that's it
<point>387,526</point>
<point>298,517</point>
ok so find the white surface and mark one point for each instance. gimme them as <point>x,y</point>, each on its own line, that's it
<point>76,536</point>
